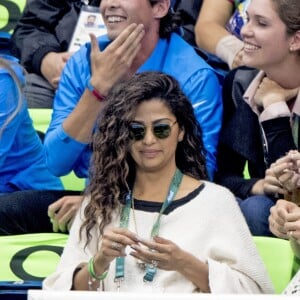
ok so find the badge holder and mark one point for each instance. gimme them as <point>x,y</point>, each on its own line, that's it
<point>89,21</point>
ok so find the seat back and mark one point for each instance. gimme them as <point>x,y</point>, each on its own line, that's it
<point>26,259</point>
<point>10,13</point>
<point>35,256</point>
<point>30,256</point>
<point>41,118</point>
<point>279,260</point>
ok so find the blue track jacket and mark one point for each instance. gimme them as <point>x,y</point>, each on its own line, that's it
<point>22,160</point>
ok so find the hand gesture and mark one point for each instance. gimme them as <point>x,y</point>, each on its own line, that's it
<point>115,62</point>
<point>284,220</point>
<point>113,244</point>
<point>283,175</point>
<point>270,92</point>
<point>52,66</point>
<point>278,218</point>
<point>62,212</point>
<point>159,252</point>
<point>292,224</point>
<point>238,59</point>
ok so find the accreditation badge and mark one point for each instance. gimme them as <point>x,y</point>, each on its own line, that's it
<point>89,21</point>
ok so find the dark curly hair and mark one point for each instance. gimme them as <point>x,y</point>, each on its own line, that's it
<point>112,170</point>
<point>169,23</point>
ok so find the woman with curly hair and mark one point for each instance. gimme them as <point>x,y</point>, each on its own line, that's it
<point>151,222</point>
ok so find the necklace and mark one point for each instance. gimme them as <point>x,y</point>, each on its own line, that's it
<point>124,221</point>
<point>139,262</point>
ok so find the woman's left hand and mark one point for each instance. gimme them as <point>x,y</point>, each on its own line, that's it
<point>292,224</point>
<point>159,252</point>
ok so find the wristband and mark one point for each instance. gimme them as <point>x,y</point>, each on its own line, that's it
<point>92,271</point>
<point>95,92</point>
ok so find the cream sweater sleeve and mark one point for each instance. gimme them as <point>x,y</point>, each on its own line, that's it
<point>228,47</point>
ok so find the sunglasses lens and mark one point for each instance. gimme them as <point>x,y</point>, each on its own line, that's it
<point>162,131</point>
<point>137,132</point>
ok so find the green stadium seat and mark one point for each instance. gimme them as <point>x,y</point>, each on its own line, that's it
<point>23,255</point>
<point>30,256</point>
<point>10,12</point>
<point>279,260</point>
<point>41,118</point>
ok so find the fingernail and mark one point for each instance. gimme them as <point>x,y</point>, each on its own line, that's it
<point>137,238</point>
<point>134,247</point>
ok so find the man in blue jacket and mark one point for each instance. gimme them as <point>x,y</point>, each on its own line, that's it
<point>140,37</point>
<point>41,41</point>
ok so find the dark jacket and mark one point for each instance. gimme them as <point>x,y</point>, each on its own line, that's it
<point>241,139</point>
<point>45,26</point>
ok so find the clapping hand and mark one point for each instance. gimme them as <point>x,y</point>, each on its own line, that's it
<point>284,220</point>
<point>283,175</point>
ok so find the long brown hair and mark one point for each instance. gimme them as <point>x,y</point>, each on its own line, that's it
<point>112,169</point>
<point>289,13</point>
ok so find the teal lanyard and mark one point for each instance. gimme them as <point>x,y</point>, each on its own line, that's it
<point>124,221</point>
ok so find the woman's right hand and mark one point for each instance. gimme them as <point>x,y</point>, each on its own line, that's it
<point>276,178</point>
<point>270,92</point>
<point>113,244</point>
<point>284,220</point>
<point>283,175</point>
<point>277,218</point>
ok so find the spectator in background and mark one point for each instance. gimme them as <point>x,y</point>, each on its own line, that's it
<point>146,224</point>
<point>41,40</point>
<point>62,211</point>
<point>26,185</point>
<point>261,108</point>
<point>140,38</point>
<point>285,223</point>
<point>218,29</point>
<point>283,177</point>
<point>22,163</point>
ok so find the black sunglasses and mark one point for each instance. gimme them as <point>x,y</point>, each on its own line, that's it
<point>137,131</point>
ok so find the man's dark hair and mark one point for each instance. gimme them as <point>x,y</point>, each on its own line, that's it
<point>169,23</point>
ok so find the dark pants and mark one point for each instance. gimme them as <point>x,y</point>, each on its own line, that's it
<point>27,211</point>
<point>38,92</point>
<point>256,210</point>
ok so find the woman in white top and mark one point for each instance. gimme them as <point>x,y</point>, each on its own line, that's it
<point>151,222</point>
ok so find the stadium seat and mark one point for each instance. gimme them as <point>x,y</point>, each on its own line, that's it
<point>41,118</point>
<point>279,260</point>
<point>10,12</point>
<point>23,255</point>
<point>26,259</point>
<point>30,256</point>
